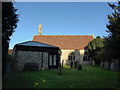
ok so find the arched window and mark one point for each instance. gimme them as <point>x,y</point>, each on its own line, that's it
<point>71,56</point>
<point>86,56</point>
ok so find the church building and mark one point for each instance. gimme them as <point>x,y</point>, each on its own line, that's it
<point>73,47</point>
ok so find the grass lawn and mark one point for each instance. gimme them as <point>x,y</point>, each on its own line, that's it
<point>89,77</point>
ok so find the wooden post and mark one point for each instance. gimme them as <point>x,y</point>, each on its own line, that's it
<point>75,64</point>
<point>60,71</point>
<point>71,64</point>
<point>62,63</point>
<point>59,66</point>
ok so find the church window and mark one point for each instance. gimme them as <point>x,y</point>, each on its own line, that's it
<point>86,57</point>
<point>71,56</point>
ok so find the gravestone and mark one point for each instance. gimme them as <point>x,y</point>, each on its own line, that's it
<point>112,66</point>
<point>101,64</point>
<point>106,65</point>
<point>93,62</point>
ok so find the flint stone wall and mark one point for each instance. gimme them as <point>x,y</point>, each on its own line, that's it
<point>45,60</point>
<point>31,57</point>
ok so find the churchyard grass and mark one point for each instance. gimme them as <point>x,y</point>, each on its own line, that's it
<point>89,77</point>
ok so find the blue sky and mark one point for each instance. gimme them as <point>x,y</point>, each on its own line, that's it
<point>61,18</point>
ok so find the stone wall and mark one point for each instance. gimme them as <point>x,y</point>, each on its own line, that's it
<point>45,60</point>
<point>23,57</point>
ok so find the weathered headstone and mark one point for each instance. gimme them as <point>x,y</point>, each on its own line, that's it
<point>101,64</point>
<point>106,65</point>
<point>93,62</point>
<point>112,67</point>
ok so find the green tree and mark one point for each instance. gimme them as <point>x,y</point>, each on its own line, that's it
<point>9,23</point>
<point>95,47</point>
<point>112,45</point>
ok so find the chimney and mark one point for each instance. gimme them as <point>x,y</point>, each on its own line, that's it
<point>40,29</point>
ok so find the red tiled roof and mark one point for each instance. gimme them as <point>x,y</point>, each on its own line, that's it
<point>65,41</point>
